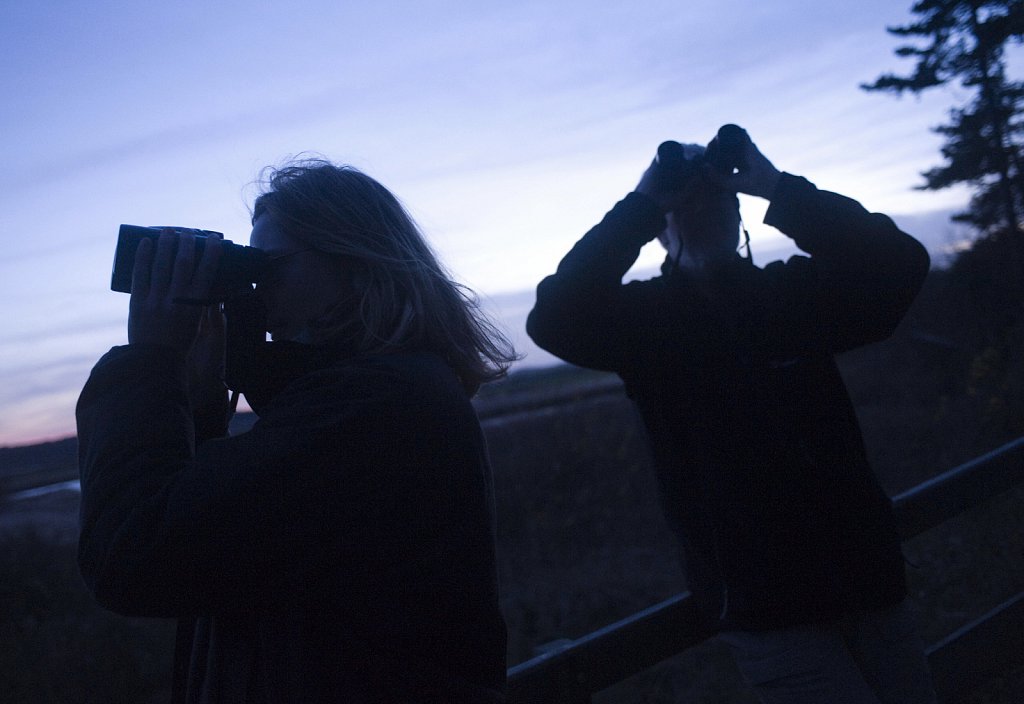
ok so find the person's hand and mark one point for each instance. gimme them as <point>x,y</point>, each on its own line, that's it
<point>756,175</point>
<point>170,294</point>
<point>205,361</point>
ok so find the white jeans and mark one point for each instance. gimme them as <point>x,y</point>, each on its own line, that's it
<point>871,657</point>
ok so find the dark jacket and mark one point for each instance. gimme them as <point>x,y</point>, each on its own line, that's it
<point>341,550</point>
<point>760,460</point>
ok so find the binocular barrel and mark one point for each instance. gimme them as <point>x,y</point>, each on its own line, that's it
<point>239,266</point>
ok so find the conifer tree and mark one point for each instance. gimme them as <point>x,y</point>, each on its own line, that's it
<point>966,42</point>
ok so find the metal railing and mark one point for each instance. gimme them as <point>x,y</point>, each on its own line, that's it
<point>572,672</point>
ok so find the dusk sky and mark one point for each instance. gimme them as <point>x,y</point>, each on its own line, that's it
<point>507,129</point>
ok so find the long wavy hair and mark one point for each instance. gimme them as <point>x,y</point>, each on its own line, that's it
<point>403,299</point>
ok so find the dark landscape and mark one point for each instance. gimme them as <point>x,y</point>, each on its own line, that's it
<point>581,541</point>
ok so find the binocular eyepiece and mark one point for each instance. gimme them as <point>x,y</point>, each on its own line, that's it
<point>239,266</point>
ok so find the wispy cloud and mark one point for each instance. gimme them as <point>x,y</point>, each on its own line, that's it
<point>509,129</point>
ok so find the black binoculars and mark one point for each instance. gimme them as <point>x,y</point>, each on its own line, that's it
<point>725,154</point>
<point>240,267</point>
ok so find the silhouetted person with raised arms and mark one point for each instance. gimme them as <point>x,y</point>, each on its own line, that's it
<point>789,543</point>
<point>342,550</point>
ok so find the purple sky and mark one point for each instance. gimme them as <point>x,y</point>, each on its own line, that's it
<point>507,129</point>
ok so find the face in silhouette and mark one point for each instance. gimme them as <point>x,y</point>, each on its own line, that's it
<point>706,227</point>
<point>300,286</point>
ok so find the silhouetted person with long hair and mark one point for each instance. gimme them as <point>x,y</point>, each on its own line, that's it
<point>342,550</point>
<point>789,544</point>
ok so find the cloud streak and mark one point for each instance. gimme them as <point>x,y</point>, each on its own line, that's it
<point>508,129</point>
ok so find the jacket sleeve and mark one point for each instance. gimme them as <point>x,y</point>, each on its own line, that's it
<point>583,313</point>
<point>861,278</point>
<point>171,530</point>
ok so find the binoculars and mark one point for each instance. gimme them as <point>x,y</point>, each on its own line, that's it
<point>239,267</point>
<point>724,154</point>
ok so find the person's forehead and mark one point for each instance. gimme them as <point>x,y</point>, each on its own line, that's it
<point>268,236</point>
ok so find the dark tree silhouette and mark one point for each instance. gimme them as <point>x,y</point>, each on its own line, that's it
<point>966,42</point>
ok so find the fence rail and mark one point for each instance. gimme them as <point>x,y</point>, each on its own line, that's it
<point>572,672</point>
